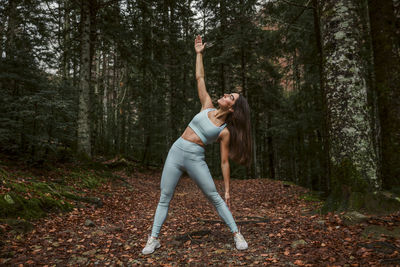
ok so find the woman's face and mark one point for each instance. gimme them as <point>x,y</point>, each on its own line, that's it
<point>228,100</point>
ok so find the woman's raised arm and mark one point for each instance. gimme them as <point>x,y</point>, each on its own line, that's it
<point>205,98</point>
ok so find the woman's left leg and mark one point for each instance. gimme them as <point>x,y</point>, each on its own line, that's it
<point>199,172</point>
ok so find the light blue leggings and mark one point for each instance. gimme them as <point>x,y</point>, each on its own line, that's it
<point>188,156</point>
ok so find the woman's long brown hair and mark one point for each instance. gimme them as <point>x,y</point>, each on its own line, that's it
<point>238,123</point>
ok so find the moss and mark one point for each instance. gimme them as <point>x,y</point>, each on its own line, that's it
<point>30,198</point>
<point>395,190</point>
<point>19,187</point>
<point>25,208</point>
<point>90,182</point>
<point>379,202</point>
<point>288,183</point>
<point>85,179</point>
<point>311,196</point>
<point>366,202</point>
<point>356,201</point>
<point>19,226</point>
<point>348,188</point>
<point>3,174</point>
<point>30,208</point>
<point>347,174</point>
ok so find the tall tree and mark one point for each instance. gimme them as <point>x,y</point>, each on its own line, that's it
<point>387,81</point>
<point>84,84</point>
<point>352,156</point>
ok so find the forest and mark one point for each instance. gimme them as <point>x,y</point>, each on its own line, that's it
<point>93,93</point>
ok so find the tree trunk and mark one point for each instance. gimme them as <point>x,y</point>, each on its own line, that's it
<point>84,85</point>
<point>352,156</point>
<point>11,28</point>
<point>223,85</point>
<point>105,132</point>
<point>324,183</point>
<point>2,34</point>
<point>270,149</point>
<point>66,41</point>
<point>387,80</point>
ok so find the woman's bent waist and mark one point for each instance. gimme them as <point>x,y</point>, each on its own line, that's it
<point>188,146</point>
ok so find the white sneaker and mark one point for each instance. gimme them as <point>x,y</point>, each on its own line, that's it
<point>240,242</point>
<point>151,245</point>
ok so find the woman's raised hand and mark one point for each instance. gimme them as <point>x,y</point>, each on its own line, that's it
<point>198,44</point>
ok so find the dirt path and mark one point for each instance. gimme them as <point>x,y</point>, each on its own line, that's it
<point>276,223</point>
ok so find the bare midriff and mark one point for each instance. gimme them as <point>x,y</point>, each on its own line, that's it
<point>191,136</point>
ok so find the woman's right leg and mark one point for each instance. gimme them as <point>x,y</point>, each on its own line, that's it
<point>198,170</point>
<point>171,174</point>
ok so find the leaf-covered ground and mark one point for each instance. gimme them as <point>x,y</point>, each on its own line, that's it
<point>276,221</point>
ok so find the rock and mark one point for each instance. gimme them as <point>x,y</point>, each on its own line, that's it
<point>228,246</point>
<point>6,260</point>
<point>220,251</point>
<point>19,226</point>
<point>89,252</point>
<point>89,223</point>
<point>35,247</point>
<point>375,231</point>
<point>9,199</point>
<point>353,217</point>
<point>114,229</point>
<point>98,232</point>
<point>380,247</point>
<point>135,261</point>
<point>100,256</point>
<point>175,243</point>
<point>299,242</point>
<point>76,260</point>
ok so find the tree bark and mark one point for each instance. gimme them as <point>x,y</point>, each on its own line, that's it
<point>66,41</point>
<point>324,182</point>
<point>11,29</point>
<point>352,157</point>
<point>84,85</point>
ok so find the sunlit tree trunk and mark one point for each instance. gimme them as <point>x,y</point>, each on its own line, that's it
<point>352,155</point>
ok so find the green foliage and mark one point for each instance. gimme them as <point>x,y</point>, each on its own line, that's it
<point>30,198</point>
<point>32,207</point>
<point>37,113</point>
<point>84,178</point>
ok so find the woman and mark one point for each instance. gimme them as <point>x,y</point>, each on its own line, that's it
<point>187,153</point>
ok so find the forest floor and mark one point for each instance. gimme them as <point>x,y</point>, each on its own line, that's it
<point>276,219</point>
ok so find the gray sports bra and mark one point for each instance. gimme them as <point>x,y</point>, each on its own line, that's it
<point>204,128</point>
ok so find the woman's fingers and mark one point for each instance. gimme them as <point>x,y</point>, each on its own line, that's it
<point>198,39</point>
